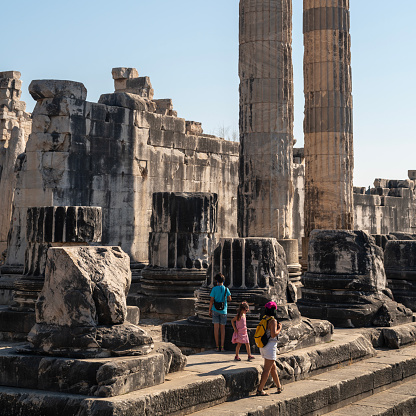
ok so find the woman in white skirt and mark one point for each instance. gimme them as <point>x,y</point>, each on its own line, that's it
<point>269,351</point>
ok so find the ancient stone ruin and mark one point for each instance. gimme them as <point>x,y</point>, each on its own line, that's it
<point>400,265</point>
<point>81,311</point>
<point>119,211</point>
<point>346,282</point>
<point>184,227</point>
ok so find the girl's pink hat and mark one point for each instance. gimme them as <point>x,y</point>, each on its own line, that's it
<point>270,305</point>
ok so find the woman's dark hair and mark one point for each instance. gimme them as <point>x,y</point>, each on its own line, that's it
<point>270,312</point>
<point>219,278</point>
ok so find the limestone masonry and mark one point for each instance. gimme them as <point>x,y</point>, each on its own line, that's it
<point>116,154</point>
<point>15,127</point>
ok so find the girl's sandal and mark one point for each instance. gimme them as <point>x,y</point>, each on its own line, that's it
<point>237,358</point>
<point>218,349</point>
<point>279,390</point>
<point>261,393</point>
<point>251,357</point>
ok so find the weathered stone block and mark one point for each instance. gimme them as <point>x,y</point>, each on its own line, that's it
<point>47,142</point>
<point>346,282</point>
<point>59,106</point>
<point>140,86</point>
<point>341,252</point>
<point>124,73</point>
<point>74,297</point>
<point>10,74</point>
<point>10,83</point>
<point>194,127</point>
<point>400,265</point>
<point>124,99</point>
<point>40,89</point>
<point>82,306</point>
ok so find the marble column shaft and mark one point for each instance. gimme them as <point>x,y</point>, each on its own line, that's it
<point>266,119</point>
<point>328,116</point>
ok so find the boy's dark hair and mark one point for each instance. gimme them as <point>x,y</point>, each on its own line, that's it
<point>219,278</point>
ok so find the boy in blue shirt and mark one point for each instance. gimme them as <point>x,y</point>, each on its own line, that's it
<point>220,296</point>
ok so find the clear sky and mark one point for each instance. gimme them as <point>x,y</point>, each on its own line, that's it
<point>189,49</point>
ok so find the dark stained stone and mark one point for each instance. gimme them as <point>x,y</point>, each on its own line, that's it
<point>346,282</point>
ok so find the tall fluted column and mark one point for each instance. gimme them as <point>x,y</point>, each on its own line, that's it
<point>328,116</point>
<point>266,119</point>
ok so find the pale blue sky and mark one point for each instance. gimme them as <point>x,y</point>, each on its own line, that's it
<point>189,48</point>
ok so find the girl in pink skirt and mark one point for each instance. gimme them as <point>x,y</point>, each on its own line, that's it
<point>240,335</point>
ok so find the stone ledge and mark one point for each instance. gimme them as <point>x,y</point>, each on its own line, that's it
<point>100,377</point>
<point>332,390</point>
<point>212,378</point>
<point>399,400</point>
<point>183,393</point>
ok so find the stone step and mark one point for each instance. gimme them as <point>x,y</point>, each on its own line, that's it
<point>329,391</point>
<point>210,379</point>
<point>181,394</point>
<point>399,400</point>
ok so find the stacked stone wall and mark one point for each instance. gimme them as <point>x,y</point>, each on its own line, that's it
<point>15,127</point>
<point>388,207</point>
<point>115,154</point>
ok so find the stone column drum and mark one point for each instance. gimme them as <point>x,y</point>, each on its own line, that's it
<point>400,265</point>
<point>52,227</point>
<point>265,192</point>
<point>346,282</point>
<point>328,116</point>
<point>291,248</point>
<point>182,238</point>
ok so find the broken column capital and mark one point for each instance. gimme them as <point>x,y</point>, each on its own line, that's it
<point>50,88</point>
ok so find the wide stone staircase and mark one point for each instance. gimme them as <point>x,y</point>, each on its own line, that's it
<point>346,376</point>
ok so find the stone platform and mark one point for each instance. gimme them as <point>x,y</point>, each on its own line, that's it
<point>316,380</point>
<point>195,333</point>
<point>102,377</point>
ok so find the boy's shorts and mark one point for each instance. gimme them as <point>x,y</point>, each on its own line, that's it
<point>219,318</point>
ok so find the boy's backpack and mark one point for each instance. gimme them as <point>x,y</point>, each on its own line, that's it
<point>260,337</point>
